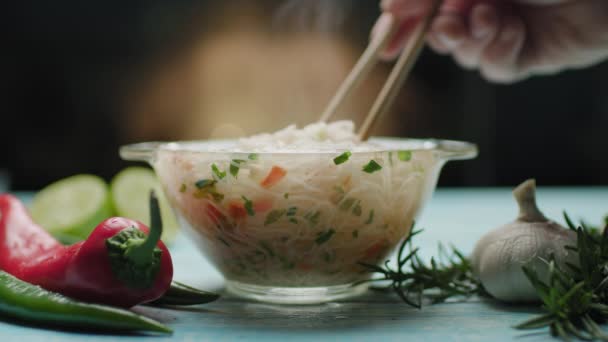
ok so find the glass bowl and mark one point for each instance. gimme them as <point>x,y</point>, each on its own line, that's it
<point>292,227</point>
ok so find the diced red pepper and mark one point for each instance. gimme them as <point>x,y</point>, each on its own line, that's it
<point>237,210</point>
<point>375,250</point>
<point>274,176</point>
<point>262,205</point>
<point>304,266</point>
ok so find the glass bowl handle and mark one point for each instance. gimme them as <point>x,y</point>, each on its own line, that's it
<point>145,152</point>
<point>456,150</point>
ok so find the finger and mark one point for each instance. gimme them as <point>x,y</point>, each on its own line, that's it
<point>500,60</point>
<point>399,38</point>
<point>449,30</point>
<point>482,29</point>
<point>408,13</point>
<point>436,45</point>
<point>457,6</point>
<point>406,8</point>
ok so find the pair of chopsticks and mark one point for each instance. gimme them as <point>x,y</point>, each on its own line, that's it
<point>396,78</point>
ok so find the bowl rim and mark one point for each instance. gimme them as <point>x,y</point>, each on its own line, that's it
<point>447,149</point>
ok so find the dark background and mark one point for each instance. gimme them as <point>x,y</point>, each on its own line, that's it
<point>66,67</point>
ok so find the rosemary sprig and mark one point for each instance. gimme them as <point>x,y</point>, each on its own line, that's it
<point>575,296</point>
<point>446,277</point>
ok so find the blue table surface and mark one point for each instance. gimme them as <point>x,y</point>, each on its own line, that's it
<point>456,216</point>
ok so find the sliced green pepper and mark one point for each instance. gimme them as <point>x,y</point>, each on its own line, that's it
<point>32,303</point>
<point>181,294</point>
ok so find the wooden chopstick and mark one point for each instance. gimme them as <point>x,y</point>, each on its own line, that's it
<point>364,65</point>
<point>399,74</point>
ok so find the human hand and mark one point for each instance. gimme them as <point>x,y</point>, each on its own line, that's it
<point>508,40</point>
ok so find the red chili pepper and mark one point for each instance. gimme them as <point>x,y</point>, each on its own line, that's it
<point>119,264</point>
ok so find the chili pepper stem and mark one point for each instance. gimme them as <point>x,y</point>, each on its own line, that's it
<point>140,252</point>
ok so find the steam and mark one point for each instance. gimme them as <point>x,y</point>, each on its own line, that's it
<point>312,15</point>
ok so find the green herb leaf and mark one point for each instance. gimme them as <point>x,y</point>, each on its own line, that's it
<point>182,188</point>
<point>274,216</point>
<point>372,167</point>
<point>355,234</point>
<point>248,206</point>
<point>370,218</point>
<point>204,183</point>
<point>313,217</point>
<point>404,155</point>
<point>293,220</point>
<point>343,158</point>
<point>253,156</point>
<point>286,195</point>
<point>347,204</point>
<point>292,211</point>
<point>216,171</point>
<point>537,322</point>
<point>357,211</point>
<point>235,166</point>
<point>323,237</point>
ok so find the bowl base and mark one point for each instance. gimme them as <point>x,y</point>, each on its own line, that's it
<point>294,295</point>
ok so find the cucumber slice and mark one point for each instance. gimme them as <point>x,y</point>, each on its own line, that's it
<point>72,207</point>
<point>130,190</point>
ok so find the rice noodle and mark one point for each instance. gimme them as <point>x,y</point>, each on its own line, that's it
<point>314,225</point>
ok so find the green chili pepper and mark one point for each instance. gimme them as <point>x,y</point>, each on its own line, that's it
<point>181,294</point>
<point>32,303</point>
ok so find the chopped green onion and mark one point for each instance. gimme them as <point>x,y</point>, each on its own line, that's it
<point>293,220</point>
<point>355,234</point>
<point>203,183</point>
<point>328,257</point>
<point>286,195</point>
<point>357,211</point>
<point>182,188</point>
<point>235,166</point>
<point>286,263</point>
<point>347,203</point>
<point>217,197</point>
<point>404,155</point>
<point>343,158</point>
<point>216,171</point>
<point>292,211</point>
<point>248,206</point>
<point>266,247</point>
<point>372,167</point>
<point>340,192</point>
<point>223,241</point>
<point>274,216</point>
<point>313,218</point>
<point>370,218</point>
<point>323,237</point>
<point>253,156</point>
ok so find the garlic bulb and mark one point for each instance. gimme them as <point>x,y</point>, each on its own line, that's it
<point>499,255</point>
